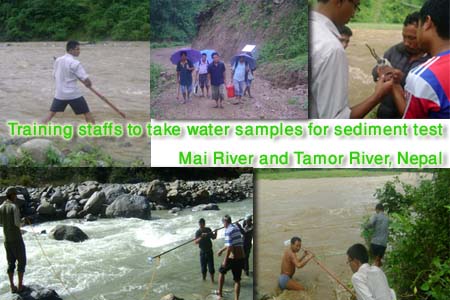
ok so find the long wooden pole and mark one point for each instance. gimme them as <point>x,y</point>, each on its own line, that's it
<point>188,242</point>
<point>323,267</point>
<point>107,102</point>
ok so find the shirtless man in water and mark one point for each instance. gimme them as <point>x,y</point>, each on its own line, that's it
<point>234,258</point>
<point>290,262</point>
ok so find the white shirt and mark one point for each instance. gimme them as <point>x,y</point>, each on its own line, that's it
<point>370,283</point>
<point>66,71</point>
<point>329,68</point>
<point>203,67</point>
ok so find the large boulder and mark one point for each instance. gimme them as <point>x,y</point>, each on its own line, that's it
<point>69,233</point>
<point>39,150</point>
<point>157,192</point>
<point>36,292</point>
<point>58,198</point>
<point>95,203</point>
<point>129,206</point>
<point>72,205</point>
<point>87,188</point>
<point>46,209</point>
<point>112,192</point>
<point>210,206</point>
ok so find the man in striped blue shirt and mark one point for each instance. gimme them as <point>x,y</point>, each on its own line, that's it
<point>234,258</point>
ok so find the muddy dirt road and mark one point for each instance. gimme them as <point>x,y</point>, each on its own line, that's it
<point>361,84</point>
<point>269,103</point>
<point>327,214</point>
<point>118,70</point>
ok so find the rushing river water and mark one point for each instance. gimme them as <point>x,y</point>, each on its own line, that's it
<point>327,214</point>
<point>113,264</point>
<point>118,70</point>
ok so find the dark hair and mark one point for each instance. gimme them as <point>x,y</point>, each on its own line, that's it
<point>183,52</point>
<point>412,19</point>
<point>71,45</point>
<point>201,221</point>
<point>295,239</point>
<point>215,53</point>
<point>438,10</point>
<point>227,218</point>
<point>379,207</point>
<point>359,252</point>
<point>345,30</point>
<point>204,54</point>
<point>323,1</point>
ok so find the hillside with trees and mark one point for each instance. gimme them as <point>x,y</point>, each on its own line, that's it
<point>50,20</point>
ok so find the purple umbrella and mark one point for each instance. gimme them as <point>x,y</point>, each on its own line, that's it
<point>193,55</point>
<point>249,59</point>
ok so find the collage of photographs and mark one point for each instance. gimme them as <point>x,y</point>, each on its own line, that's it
<point>85,216</point>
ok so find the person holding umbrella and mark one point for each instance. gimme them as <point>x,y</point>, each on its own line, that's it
<point>184,76</point>
<point>238,72</point>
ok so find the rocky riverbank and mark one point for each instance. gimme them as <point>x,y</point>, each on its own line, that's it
<point>91,200</point>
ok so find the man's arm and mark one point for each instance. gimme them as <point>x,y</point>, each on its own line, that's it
<point>300,263</point>
<point>198,237</point>
<point>382,88</point>
<point>16,216</point>
<point>214,234</point>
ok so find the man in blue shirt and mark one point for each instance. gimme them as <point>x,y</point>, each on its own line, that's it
<point>238,75</point>
<point>216,75</point>
<point>184,76</point>
<point>234,258</point>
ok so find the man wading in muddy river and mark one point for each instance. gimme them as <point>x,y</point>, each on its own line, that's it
<point>67,70</point>
<point>290,262</point>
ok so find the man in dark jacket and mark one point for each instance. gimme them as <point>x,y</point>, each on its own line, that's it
<point>403,57</point>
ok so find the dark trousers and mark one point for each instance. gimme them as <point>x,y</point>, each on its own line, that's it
<point>247,250</point>
<point>15,252</point>
<point>207,261</point>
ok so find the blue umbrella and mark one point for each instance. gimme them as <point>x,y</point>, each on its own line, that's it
<point>250,60</point>
<point>193,55</point>
<point>209,53</point>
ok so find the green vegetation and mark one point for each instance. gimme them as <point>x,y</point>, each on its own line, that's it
<point>293,42</point>
<point>174,20</point>
<point>386,11</point>
<point>35,20</point>
<point>282,174</point>
<point>29,176</point>
<point>418,264</point>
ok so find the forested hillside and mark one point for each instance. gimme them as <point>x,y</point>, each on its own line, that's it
<point>386,11</point>
<point>39,20</point>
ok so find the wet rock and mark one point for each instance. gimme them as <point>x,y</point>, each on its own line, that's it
<point>95,203</point>
<point>174,210</point>
<point>69,233</point>
<point>112,192</point>
<point>90,218</point>
<point>210,206</point>
<point>58,198</point>
<point>87,188</point>
<point>46,209</point>
<point>72,214</point>
<point>129,206</point>
<point>157,192</point>
<point>39,149</point>
<point>72,205</point>
<point>36,292</point>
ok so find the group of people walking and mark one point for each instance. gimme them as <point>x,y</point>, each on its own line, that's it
<point>211,74</point>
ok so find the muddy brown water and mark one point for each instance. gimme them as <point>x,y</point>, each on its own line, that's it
<point>327,214</point>
<point>361,84</point>
<point>118,70</point>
